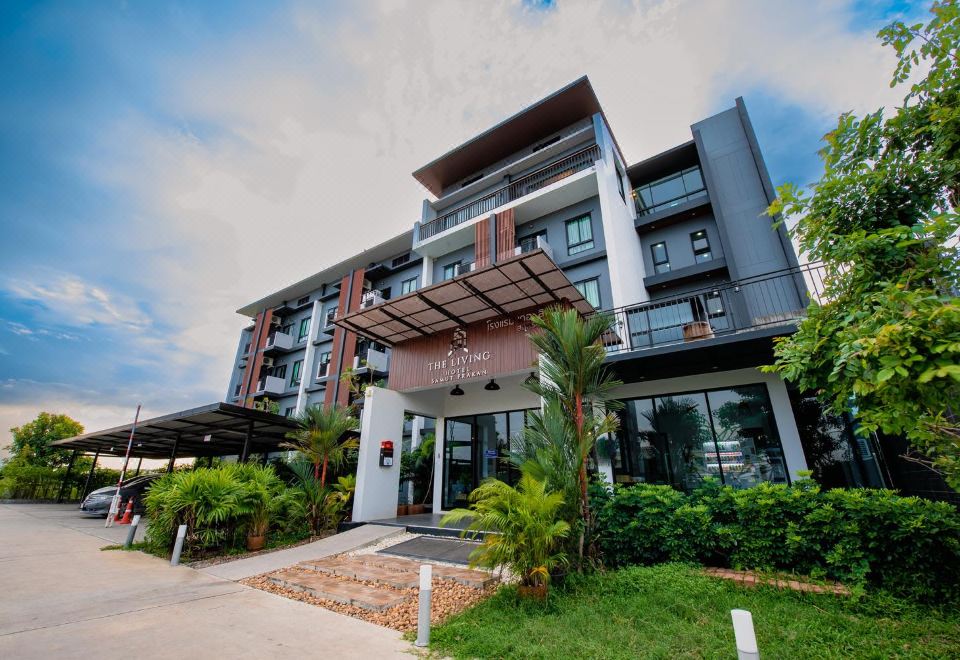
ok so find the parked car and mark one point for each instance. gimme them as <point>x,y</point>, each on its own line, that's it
<point>97,503</point>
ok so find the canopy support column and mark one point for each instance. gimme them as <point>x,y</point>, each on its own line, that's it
<point>245,452</point>
<point>173,452</point>
<point>86,484</point>
<point>66,477</point>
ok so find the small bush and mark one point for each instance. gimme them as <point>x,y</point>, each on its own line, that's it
<point>875,538</point>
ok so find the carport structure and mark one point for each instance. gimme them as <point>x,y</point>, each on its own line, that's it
<point>217,429</point>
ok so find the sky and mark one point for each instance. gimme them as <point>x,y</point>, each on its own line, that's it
<point>164,163</point>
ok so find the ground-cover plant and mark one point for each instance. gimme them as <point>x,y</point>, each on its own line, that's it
<point>671,611</point>
<point>529,533</point>
<point>875,538</point>
<point>321,506</point>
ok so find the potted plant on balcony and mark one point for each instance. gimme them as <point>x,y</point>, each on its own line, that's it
<point>699,327</point>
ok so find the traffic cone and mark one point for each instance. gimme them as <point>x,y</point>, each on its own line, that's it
<point>127,514</point>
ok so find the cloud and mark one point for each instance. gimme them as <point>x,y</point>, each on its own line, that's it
<point>75,302</point>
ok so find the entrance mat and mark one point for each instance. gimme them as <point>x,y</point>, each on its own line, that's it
<point>426,548</point>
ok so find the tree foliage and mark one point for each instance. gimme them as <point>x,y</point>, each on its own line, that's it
<point>32,440</point>
<point>885,337</point>
<point>319,437</point>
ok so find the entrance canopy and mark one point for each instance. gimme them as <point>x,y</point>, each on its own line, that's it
<point>218,429</point>
<point>500,289</point>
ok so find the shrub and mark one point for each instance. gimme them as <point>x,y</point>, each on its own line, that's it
<point>875,538</point>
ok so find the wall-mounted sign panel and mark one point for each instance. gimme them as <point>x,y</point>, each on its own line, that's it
<point>487,349</point>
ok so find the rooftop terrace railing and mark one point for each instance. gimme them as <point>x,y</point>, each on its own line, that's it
<point>773,299</point>
<point>525,185</point>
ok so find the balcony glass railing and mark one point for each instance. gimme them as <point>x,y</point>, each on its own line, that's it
<point>525,185</point>
<point>670,191</point>
<point>778,298</point>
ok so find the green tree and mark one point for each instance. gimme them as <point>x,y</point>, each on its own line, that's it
<point>319,437</point>
<point>573,375</point>
<point>886,336</point>
<point>32,440</point>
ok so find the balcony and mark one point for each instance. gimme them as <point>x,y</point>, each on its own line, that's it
<point>278,341</point>
<point>534,243</point>
<point>771,301</point>
<point>525,185</point>
<point>678,194</point>
<point>328,319</point>
<point>372,360</point>
<point>270,385</point>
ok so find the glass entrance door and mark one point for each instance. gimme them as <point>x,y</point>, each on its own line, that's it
<point>477,448</point>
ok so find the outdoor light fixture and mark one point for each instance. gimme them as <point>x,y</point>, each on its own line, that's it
<point>207,437</point>
<point>491,386</point>
<point>456,391</point>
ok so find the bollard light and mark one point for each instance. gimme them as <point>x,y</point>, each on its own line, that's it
<point>423,617</point>
<point>178,546</point>
<point>743,633</point>
<point>132,531</point>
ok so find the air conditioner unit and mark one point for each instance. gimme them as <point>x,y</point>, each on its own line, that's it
<point>276,320</point>
<point>268,361</point>
<point>460,269</point>
<point>371,298</point>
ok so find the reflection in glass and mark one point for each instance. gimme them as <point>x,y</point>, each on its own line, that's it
<point>747,439</point>
<point>458,463</point>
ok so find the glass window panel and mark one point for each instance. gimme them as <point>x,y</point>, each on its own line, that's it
<point>494,446</point>
<point>295,372</point>
<point>684,423</point>
<point>659,251</point>
<point>304,329</point>
<point>642,453</point>
<point>590,290</point>
<point>408,286</point>
<point>668,190</point>
<point>747,438</point>
<point>692,180</point>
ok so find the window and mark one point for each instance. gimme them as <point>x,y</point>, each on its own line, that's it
<point>236,390</point>
<point>661,261</point>
<point>304,329</point>
<point>399,261</point>
<point>408,286</point>
<point>287,329</point>
<point>246,348</point>
<point>280,371</point>
<point>623,195</point>
<point>295,375</point>
<point>701,246</point>
<point>289,411</point>
<point>670,191</point>
<point>529,243</point>
<point>590,290</point>
<point>303,301</point>
<point>450,270</point>
<point>579,235</point>
<point>324,367</point>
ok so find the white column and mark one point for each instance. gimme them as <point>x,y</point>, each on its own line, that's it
<point>786,426</point>
<point>377,487</point>
<point>426,272</point>
<point>307,374</point>
<point>438,476</point>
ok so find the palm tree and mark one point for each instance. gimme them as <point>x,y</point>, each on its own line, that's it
<point>319,436</point>
<point>574,376</point>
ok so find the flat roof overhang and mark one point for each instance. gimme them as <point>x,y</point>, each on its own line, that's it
<point>226,424</point>
<point>564,107</point>
<point>520,283</point>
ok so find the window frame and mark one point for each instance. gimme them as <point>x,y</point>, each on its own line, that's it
<point>322,362</point>
<point>583,244</point>
<point>532,236</point>
<point>666,258</point>
<point>698,252</point>
<point>296,373</point>
<point>590,280</point>
<point>404,290</point>
<point>452,266</point>
<point>304,330</point>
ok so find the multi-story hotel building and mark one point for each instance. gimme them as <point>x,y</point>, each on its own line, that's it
<point>544,209</point>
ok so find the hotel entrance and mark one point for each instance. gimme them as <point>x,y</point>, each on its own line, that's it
<point>477,447</point>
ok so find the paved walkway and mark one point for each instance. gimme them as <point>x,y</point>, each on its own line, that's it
<point>352,539</point>
<point>63,597</point>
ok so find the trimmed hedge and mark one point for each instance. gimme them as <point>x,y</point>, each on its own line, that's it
<point>876,538</point>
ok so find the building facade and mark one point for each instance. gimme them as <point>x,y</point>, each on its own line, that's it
<point>430,327</point>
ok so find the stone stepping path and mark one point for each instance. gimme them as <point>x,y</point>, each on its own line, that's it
<point>359,570</point>
<point>339,591</point>
<point>464,576</point>
<point>751,579</point>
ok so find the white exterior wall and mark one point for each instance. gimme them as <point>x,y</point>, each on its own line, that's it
<point>779,399</point>
<point>377,487</point>
<point>624,251</point>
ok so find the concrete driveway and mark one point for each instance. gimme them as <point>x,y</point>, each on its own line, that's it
<point>63,597</point>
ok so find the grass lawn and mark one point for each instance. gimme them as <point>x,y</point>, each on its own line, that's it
<point>672,611</point>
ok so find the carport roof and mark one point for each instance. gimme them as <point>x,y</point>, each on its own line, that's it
<point>226,424</point>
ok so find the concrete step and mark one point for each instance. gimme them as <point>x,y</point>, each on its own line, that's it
<point>340,591</point>
<point>465,576</point>
<point>358,570</point>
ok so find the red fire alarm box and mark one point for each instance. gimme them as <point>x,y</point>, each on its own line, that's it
<point>386,453</point>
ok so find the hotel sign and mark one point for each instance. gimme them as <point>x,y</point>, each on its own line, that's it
<point>485,349</point>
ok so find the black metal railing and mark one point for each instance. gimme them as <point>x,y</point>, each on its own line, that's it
<point>525,185</point>
<point>773,299</point>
